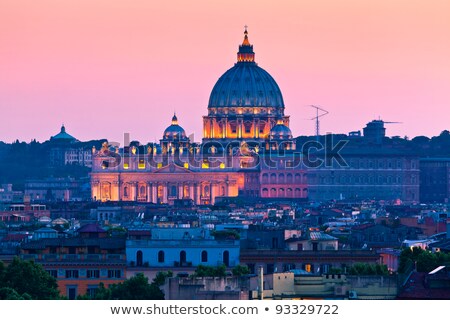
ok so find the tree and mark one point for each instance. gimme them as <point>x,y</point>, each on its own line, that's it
<point>240,270</point>
<point>207,271</point>
<point>26,277</point>
<point>367,269</point>
<point>136,288</point>
<point>425,261</point>
<point>161,277</point>
<point>7,293</point>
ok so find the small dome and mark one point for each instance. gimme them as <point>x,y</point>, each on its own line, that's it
<point>280,131</point>
<point>174,131</point>
<point>63,136</point>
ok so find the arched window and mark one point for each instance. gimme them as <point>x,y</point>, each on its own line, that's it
<point>142,191</point>
<point>204,256</point>
<point>273,192</point>
<point>281,192</point>
<point>273,178</point>
<point>265,192</point>
<point>139,258</point>
<point>182,256</point>
<point>265,178</point>
<point>226,258</point>
<point>206,191</point>
<point>289,193</point>
<point>289,178</point>
<point>125,192</point>
<point>281,178</point>
<point>161,256</point>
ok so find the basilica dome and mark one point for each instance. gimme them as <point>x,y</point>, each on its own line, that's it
<point>174,131</point>
<point>280,131</point>
<point>246,85</point>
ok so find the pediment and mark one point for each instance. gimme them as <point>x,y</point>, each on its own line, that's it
<point>173,168</point>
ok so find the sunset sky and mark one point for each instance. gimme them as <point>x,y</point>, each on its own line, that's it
<point>105,67</point>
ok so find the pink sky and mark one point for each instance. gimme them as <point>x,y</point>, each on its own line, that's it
<point>105,67</point>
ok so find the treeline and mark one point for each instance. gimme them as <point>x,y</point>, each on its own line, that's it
<point>422,260</point>
<point>20,161</point>
<point>437,146</point>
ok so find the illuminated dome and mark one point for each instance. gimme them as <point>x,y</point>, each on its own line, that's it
<point>280,131</point>
<point>174,131</point>
<point>246,85</point>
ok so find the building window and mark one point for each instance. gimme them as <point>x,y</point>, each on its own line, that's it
<point>91,291</point>
<point>307,267</point>
<point>139,258</point>
<point>182,257</point>
<point>117,274</point>
<point>161,256</point>
<point>53,273</point>
<point>93,274</point>
<point>204,256</point>
<point>72,274</point>
<point>72,292</point>
<point>226,258</point>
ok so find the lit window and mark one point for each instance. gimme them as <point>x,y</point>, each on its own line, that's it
<point>186,165</point>
<point>126,165</point>
<point>205,165</point>
<point>222,165</point>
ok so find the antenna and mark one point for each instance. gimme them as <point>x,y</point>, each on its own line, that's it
<point>322,113</point>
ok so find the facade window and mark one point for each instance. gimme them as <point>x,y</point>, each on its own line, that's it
<point>116,274</point>
<point>161,256</point>
<point>53,273</point>
<point>139,258</point>
<point>226,258</point>
<point>72,292</point>
<point>307,267</point>
<point>72,274</point>
<point>91,291</point>
<point>93,274</point>
<point>182,257</point>
<point>204,256</point>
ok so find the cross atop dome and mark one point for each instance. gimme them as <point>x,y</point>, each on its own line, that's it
<point>246,53</point>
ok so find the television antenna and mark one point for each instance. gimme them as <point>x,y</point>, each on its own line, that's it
<point>320,112</point>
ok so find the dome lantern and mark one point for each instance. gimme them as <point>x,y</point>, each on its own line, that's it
<point>245,53</point>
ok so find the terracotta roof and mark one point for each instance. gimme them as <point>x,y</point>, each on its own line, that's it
<point>415,288</point>
<point>91,228</point>
<point>14,237</point>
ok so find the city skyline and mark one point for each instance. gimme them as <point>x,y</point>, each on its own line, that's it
<point>107,68</point>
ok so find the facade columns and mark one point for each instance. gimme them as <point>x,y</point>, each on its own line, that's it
<point>165,186</point>
<point>239,128</point>
<point>257,128</point>
<point>197,193</point>
<point>226,127</point>
<point>212,192</point>
<point>155,192</point>
<point>180,191</point>
<point>149,192</point>
<point>191,192</point>
<point>211,127</point>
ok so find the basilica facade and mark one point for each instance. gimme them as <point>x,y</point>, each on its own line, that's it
<point>247,149</point>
